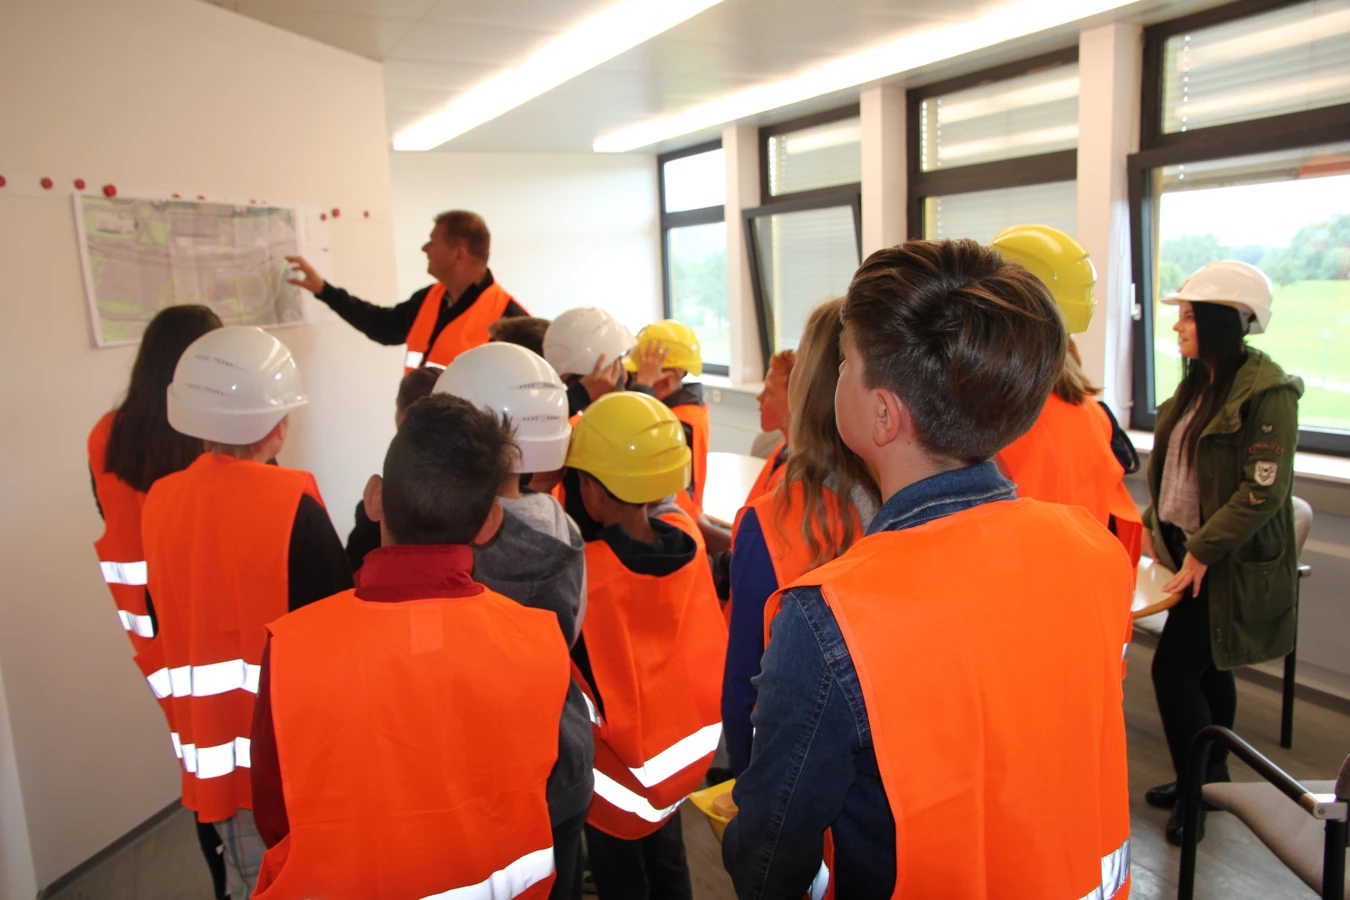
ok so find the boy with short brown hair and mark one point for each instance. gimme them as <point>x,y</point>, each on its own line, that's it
<point>951,744</point>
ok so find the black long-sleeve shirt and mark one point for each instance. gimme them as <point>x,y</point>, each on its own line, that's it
<point>391,324</point>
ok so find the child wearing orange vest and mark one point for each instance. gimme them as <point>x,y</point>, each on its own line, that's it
<point>651,648</point>
<point>943,702</point>
<point>405,731</point>
<point>796,525</point>
<point>231,543</point>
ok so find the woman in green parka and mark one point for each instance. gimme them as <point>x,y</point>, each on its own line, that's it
<point>1220,482</point>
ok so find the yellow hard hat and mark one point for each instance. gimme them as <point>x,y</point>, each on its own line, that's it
<point>683,351</point>
<point>633,445</point>
<point>1058,260</point>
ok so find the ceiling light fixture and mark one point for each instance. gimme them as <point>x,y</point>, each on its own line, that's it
<point>1008,22</point>
<point>596,40</point>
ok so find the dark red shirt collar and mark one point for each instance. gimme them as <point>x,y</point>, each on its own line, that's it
<point>417,572</point>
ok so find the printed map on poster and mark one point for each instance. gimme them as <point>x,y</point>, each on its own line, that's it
<point>143,255</point>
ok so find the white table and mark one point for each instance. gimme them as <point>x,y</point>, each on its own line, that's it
<point>730,477</point>
<point>1149,599</point>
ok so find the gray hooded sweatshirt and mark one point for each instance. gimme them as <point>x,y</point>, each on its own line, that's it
<point>537,558</point>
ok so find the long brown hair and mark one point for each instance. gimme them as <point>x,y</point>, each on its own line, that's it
<point>1205,382</point>
<point>142,448</point>
<point>818,452</point>
<point>1073,386</point>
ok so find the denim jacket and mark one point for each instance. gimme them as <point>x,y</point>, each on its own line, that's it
<point>812,765</point>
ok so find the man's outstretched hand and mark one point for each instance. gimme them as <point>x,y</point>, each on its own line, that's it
<point>309,279</point>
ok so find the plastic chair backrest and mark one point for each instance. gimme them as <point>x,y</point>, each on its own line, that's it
<point>1303,517</point>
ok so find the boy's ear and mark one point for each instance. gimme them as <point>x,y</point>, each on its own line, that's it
<point>373,498</point>
<point>892,419</point>
<point>492,525</point>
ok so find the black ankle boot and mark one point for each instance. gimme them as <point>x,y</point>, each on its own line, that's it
<point>1164,796</point>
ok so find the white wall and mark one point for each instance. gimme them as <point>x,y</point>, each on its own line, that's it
<point>173,95</point>
<point>567,229</point>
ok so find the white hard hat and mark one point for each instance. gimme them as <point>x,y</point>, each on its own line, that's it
<point>577,339</point>
<point>511,381</point>
<point>1231,283</point>
<point>233,385</point>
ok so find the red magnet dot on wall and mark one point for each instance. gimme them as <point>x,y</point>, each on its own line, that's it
<point>109,190</point>
<point>46,184</point>
<point>336,212</point>
<point>3,182</point>
<point>253,201</point>
<point>323,217</point>
<point>177,197</point>
<point>201,197</point>
<point>366,214</point>
<point>79,184</point>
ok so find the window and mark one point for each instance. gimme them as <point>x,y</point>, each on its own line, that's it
<point>1244,157</point>
<point>693,185</point>
<point>804,240</point>
<point>994,149</point>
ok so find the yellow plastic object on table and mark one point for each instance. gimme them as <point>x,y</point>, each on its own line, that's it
<point>1149,598</point>
<point>715,802</point>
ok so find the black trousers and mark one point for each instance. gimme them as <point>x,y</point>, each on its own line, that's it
<point>567,860</point>
<point>650,868</point>
<point>214,851</point>
<point>1192,692</point>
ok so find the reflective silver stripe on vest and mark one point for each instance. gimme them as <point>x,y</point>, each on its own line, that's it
<point>628,801</point>
<point>511,881</point>
<point>1124,653</point>
<point>683,753</point>
<point>412,360</point>
<point>141,625</point>
<point>1115,871</point>
<point>591,711</point>
<point>212,762</point>
<point>205,681</point>
<point>124,572</point>
<point>821,883</point>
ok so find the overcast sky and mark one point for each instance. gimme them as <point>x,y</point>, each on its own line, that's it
<point>1268,214</point>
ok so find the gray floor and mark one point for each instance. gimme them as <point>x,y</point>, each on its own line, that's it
<point>166,862</point>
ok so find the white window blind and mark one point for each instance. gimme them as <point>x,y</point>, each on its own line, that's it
<point>983,214</point>
<point>817,157</point>
<point>1023,116</point>
<point>805,258</point>
<point>695,182</point>
<point>1283,61</point>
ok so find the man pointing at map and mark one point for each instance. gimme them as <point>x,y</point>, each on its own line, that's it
<point>438,322</point>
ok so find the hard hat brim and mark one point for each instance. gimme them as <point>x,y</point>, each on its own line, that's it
<point>1254,325</point>
<point>220,426</point>
<point>543,455</point>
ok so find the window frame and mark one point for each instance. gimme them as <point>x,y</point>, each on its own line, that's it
<point>1021,171</point>
<point>838,195</point>
<point>1289,131</point>
<point>706,215</point>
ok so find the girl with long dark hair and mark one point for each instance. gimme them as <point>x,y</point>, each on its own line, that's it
<point>129,449</point>
<point>1220,482</point>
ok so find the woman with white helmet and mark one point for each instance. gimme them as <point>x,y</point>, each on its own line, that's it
<point>586,346</point>
<point>1220,482</point>
<point>537,557</point>
<point>231,544</point>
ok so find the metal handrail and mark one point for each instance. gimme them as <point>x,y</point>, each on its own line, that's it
<point>1328,808</point>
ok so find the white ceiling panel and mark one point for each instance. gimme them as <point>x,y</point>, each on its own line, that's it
<point>435,50</point>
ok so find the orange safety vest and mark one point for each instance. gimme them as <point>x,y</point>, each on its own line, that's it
<point>1066,458</point>
<point>991,676</point>
<point>694,415</point>
<point>769,478</point>
<point>119,553</point>
<point>416,739</point>
<point>780,514</point>
<point>217,543</point>
<point>657,646</point>
<point>467,330</point>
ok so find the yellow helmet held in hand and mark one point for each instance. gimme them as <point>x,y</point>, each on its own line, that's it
<point>682,349</point>
<point>1058,260</point>
<point>633,445</point>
